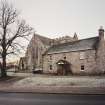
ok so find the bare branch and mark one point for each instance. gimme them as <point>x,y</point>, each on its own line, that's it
<point>10,53</point>
<point>23,30</point>
<point>8,13</point>
<point>11,29</point>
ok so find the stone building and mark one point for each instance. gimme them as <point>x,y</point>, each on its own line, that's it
<point>86,56</point>
<point>38,46</point>
<point>66,55</point>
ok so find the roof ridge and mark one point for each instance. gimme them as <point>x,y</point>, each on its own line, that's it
<point>75,41</point>
<point>83,44</point>
<point>42,36</point>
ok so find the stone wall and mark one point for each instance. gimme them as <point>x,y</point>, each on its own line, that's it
<point>74,58</point>
<point>34,52</point>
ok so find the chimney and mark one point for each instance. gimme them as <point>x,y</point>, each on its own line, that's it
<point>100,59</point>
<point>101,33</point>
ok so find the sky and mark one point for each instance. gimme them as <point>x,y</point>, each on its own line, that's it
<point>57,18</point>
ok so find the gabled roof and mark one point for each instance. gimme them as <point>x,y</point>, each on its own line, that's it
<point>84,44</point>
<point>44,40</point>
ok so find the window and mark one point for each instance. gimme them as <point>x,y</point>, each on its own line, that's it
<point>65,57</point>
<point>82,67</point>
<point>50,57</point>
<point>50,67</point>
<point>82,55</point>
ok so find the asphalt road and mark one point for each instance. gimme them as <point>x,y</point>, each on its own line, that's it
<point>50,99</point>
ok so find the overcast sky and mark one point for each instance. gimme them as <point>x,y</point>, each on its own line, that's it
<point>54,18</point>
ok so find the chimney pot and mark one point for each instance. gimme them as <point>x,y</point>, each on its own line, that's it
<point>101,31</point>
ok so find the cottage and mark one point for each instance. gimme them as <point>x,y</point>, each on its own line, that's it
<point>86,57</point>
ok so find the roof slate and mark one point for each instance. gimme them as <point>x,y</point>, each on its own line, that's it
<point>84,44</point>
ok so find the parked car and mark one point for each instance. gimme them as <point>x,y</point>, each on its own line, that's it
<point>37,71</point>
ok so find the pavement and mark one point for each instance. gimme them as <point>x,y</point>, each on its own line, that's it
<point>55,90</point>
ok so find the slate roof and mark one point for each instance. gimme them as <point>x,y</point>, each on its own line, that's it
<point>84,44</point>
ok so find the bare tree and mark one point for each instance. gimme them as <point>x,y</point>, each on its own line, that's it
<point>11,29</point>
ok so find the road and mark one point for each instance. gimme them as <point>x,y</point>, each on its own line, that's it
<point>50,99</point>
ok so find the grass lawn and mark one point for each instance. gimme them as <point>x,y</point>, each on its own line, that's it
<point>62,81</point>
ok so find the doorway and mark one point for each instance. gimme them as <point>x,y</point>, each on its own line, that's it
<point>63,67</point>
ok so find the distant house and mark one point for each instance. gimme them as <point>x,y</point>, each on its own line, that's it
<point>86,57</point>
<point>22,64</point>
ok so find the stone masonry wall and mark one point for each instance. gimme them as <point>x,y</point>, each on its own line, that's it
<point>34,53</point>
<point>73,58</point>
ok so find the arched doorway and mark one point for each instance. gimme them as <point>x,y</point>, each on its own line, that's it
<point>63,67</point>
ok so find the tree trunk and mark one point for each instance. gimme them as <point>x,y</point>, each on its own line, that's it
<point>4,54</point>
<point>3,67</point>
